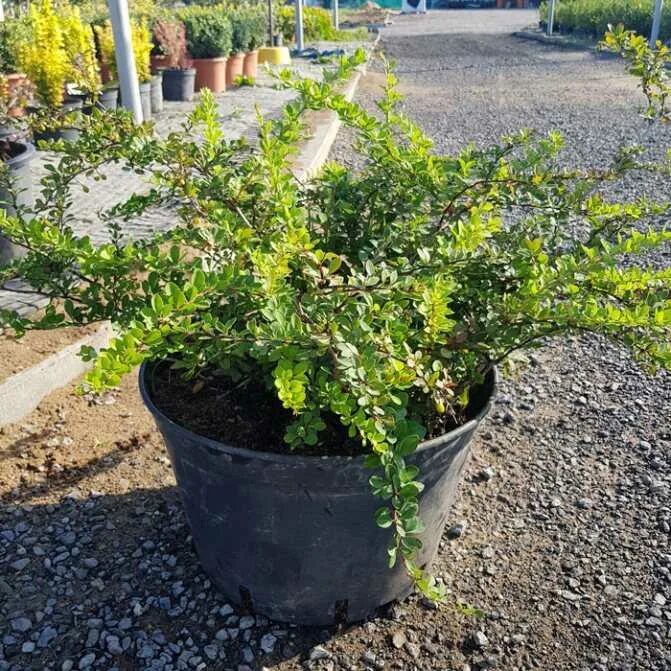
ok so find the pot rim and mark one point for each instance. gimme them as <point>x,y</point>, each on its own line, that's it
<point>210,59</point>
<point>305,460</point>
<point>25,156</point>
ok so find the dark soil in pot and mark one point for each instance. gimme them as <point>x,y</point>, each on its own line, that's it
<point>291,536</point>
<point>250,416</point>
<point>67,133</point>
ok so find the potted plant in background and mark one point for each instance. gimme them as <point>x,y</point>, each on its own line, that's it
<point>41,55</point>
<point>320,353</point>
<point>240,41</point>
<point>142,46</point>
<point>208,41</point>
<point>80,48</point>
<point>15,85</point>
<point>179,77</point>
<point>256,33</point>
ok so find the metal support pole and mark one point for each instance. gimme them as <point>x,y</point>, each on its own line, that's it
<point>299,25</point>
<point>125,59</point>
<point>336,18</point>
<point>551,17</point>
<point>2,11</point>
<point>270,23</point>
<point>656,21</point>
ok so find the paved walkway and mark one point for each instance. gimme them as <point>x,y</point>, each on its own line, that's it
<point>237,109</point>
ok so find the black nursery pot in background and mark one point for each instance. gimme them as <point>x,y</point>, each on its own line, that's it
<point>157,92</point>
<point>179,84</point>
<point>67,133</point>
<point>294,537</point>
<point>109,98</point>
<point>20,156</point>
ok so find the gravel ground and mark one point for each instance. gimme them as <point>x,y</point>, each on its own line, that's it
<point>561,530</point>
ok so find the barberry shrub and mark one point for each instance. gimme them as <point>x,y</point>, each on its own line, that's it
<point>383,294</point>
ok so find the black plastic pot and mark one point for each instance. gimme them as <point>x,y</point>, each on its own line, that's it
<point>109,98</point>
<point>22,184</point>
<point>145,100</point>
<point>179,84</point>
<point>294,537</point>
<point>157,92</point>
<point>67,133</point>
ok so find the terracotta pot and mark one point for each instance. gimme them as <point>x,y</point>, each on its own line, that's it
<point>234,66</point>
<point>14,81</point>
<point>210,73</point>
<point>251,64</point>
<point>158,63</point>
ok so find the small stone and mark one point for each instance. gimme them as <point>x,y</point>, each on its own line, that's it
<point>268,643</point>
<point>20,564</point>
<point>87,660</point>
<point>21,624</point>
<point>47,635</point>
<point>211,651</point>
<point>319,652</point>
<point>67,665</point>
<point>222,635</point>
<point>659,599</point>
<point>585,503</point>
<point>113,645</point>
<point>487,474</point>
<point>456,531</point>
<point>225,610</point>
<point>28,647</point>
<point>247,622</point>
<point>487,552</point>
<point>125,623</point>
<point>398,639</point>
<point>479,640</point>
<point>90,562</point>
<point>412,649</point>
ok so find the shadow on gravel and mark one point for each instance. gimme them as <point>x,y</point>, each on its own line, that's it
<point>57,478</point>
<point>117,577</point>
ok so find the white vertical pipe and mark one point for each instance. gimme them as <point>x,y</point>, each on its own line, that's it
<point>299,25</point>
<point>656,22</point>
<point>125,59</point>
<point>551,17</point>
<point>336,18</point>
<point>2,11</point>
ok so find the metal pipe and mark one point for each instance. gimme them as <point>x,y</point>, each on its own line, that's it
<point>336,18</point>
<point>656,22</point>
<point>299,25</point>
<point>551,17</point>
<point>125,59</point>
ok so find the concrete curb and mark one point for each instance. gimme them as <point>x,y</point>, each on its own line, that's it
<point>20,394</point>
<point>326,125</point>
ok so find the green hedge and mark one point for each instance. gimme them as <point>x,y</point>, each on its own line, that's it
<point>208,32</point>
<point>317,26</point>
<point>591,17</point>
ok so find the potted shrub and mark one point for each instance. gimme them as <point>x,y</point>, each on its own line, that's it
<point>179,77</point>
<point>318,354</point>
<point>208,42</point>
<point>80,48</point>
<point>15,84</point>
<point>142,45</point>
<point>240,40</point>
<point>256,32</point>
<point>41,55</point>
